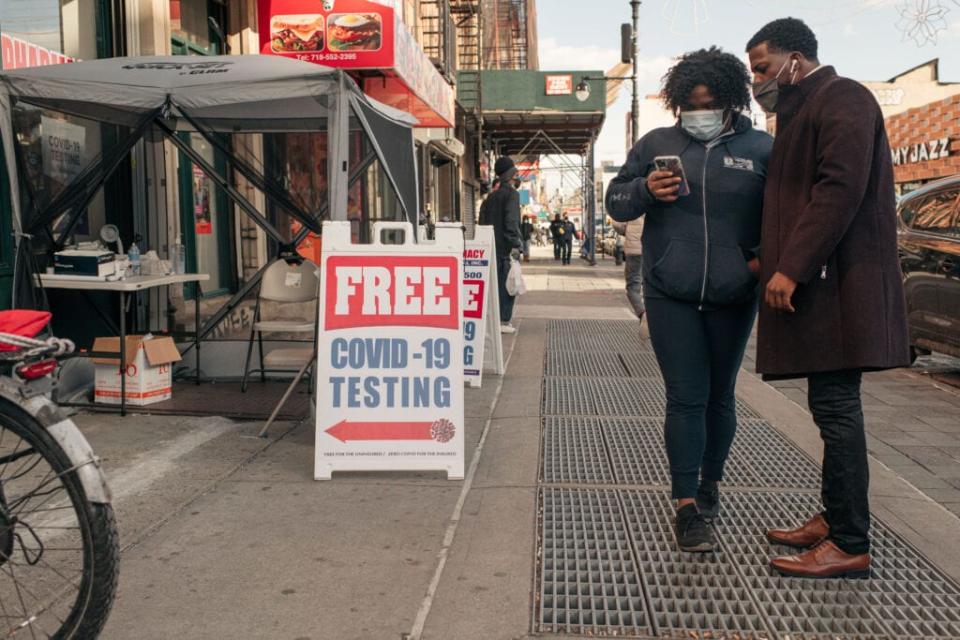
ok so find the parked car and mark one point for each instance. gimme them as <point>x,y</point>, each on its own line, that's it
<point>610,243</point>
<point>929,240</point>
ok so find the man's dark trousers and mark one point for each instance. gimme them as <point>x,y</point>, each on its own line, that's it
<point>834,400</point>
<point>506,300</point>
<point>556,248</point>
<point>567,250</point>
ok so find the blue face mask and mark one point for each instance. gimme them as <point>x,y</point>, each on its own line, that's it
<point>703,125</point>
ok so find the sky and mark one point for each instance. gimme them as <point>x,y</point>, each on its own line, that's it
<point>863,39</point>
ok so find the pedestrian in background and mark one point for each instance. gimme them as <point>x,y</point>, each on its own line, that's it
<point>632,234</point>
<point>834,302</point>
<point>567,233</point>
<point>556,233</point>
<point>501,210</point>
<point>699,283</point>
<point>526,234</point>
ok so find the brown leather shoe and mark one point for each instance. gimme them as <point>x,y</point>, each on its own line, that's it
<point>811,533</point>
<point>826,560</point>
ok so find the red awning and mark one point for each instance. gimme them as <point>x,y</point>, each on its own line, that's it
<point>360,34</point>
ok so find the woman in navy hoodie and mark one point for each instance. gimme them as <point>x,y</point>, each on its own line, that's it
<point>699,267</point>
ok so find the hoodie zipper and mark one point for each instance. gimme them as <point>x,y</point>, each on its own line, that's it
<point>706,221</point>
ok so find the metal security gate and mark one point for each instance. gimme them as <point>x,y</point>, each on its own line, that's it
<point>469,208</point>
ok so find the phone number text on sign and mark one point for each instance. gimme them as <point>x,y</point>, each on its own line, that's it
<point>475,267</point>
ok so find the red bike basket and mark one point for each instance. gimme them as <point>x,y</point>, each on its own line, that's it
<point>22,322</point>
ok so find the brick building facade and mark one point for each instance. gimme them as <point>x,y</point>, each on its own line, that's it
<point>925,143</point>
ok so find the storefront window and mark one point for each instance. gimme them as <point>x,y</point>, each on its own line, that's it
<point>55,149</point>
<point>298,164</point>
<point>188,21</point>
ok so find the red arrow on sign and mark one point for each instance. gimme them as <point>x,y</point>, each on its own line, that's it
<point>346,431</point>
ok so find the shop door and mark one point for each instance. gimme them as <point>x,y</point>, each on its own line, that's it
<point>205,219</point>
<point>204,207</point>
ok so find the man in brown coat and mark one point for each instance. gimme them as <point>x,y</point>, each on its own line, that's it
<point>834,304</point>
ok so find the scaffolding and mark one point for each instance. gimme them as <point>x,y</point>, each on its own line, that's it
<point>438,35</point>
<point>510,39</point>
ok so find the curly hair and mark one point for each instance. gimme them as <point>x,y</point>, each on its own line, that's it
<point>787,34</point>
<point>723,73</point>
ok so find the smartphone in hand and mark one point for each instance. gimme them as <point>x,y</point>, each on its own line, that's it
<point>674,166</point>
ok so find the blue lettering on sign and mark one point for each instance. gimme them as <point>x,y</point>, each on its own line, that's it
<point>336,382</point>
<point>372,353</point>
<point>391,392</point>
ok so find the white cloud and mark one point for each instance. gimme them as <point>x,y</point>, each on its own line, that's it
<point>850,31</point>
<point>556,56</point>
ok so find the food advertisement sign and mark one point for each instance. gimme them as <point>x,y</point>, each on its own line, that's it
<point>361,34</point>
<point>389,348</point>
<point>340,33</point>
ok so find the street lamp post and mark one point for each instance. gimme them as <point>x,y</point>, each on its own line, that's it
<point>635,104</point>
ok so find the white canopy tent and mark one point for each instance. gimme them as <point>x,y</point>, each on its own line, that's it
<point>162,96</point>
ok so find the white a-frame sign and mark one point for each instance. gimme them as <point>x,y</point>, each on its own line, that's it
<point>389,352</point>
<point>482,346</point>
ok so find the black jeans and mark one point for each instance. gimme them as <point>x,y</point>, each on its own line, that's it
<point>700,353</point>
<point>567,249</point>
<point>506,300</point>
<point>834,400</point>
<point>556,248</point>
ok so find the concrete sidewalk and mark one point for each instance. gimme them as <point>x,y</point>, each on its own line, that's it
<point>561,526</point>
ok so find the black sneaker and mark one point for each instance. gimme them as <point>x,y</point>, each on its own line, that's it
<point>694,533</point>
<point>708,499</point>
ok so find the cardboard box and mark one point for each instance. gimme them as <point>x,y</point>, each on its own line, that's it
<point>73,262</point>
<point>148,369</point>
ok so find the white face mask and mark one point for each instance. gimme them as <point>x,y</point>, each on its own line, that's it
<point>703,125</point>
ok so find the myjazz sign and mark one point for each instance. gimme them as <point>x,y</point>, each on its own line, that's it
<point>391,352</point>
<point>922,152</point>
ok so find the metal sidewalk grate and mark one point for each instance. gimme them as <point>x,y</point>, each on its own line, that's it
<point>599,336</point>
<point>607,562</point>
<point>612,397</point>
<point>642,365</point>
<point>770,460</point>
<point>573,452</point>
<point>580,364</point>
<point>587,580</point>
<point>689,593</point>
<point>639,457</point>
<point>906,596</point>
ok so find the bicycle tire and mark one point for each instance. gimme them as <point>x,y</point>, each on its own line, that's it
<point>101,551</point>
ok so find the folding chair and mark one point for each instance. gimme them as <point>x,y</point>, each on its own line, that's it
<point>284,283</point>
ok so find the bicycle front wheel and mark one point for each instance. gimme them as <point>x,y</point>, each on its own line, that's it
<point>59,555</point>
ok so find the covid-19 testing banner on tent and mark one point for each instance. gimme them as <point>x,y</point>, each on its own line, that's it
<point>390,353</point>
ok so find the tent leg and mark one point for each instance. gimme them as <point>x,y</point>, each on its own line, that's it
<point>283,400</point>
